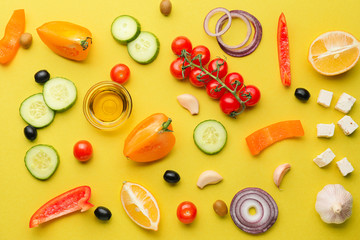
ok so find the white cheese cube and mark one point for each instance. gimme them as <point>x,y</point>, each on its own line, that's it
<point>347,124</point>
<point>345,166</point>
<point>324,158</point>
<point>325,130</point>
<point>325,98</point>
<point>345,103</point>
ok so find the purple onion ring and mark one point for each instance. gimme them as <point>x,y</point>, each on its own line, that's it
<point>265,206</point>
<point>220,31</point>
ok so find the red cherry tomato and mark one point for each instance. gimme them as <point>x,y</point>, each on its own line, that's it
<point>205,54</point>
<point>186,212</point>
<point>229,104</point>
<point>176,68</point>
<point>232,78</point>
<point>198,82</point>
<point>180,43</point>
<point>254,93</point>
<point>120,73</point>
<point>83,150</point>
<point>214,89</point>
<point>223,67</point>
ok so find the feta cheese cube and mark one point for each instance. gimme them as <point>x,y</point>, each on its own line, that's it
<point>345,166</point>
<point>345,103</point>
<point>324,158</point>
<point>325,130</point>
<point>347,124</point>
<point>325,98</point>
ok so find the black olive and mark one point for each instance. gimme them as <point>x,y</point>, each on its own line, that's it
<point>302,94</point>
<point>30,132</point>
<point>42,76</point>
<point>102,213</point>
<point>171,176</point>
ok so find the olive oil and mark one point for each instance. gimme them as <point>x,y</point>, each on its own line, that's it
<point>107,106</point>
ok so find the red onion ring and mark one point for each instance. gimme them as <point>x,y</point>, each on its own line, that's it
<point>220,31</point>
<point>265,206</point>
<point>255,41</point>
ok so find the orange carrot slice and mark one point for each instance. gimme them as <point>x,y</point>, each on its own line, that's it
<point>273,133</point>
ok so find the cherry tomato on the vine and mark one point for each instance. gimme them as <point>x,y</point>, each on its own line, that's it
<point>83,150</point>
<point>193,78</point>
<point>214,89</point>
<point>231,78</point>
<point>228,103</point>
<point>205,54</point>
<point>120,73</point>
<point>176,68</point>
<point>222,64</point>
<point>180,43</point>
<point>254,92</point>
<point>186,212</point>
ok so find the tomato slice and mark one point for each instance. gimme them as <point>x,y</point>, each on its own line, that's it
<point>283,51</point>
<point>10,43</point>
<point>68,202</point>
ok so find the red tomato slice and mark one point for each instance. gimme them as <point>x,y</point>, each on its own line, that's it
<point>283,51</point>
<point>68,202</point>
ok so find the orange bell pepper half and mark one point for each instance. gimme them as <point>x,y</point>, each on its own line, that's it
<point>10,43</point>
<point>66,39</point>
<point>271,134</point>
<point>283,51</point>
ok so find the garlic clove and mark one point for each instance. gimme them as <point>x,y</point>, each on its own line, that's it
<point>334,204</point>
<point>189,102</point>
<point>280,172</point>
<point>208,177</point>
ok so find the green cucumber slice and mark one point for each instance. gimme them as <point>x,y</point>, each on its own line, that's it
<point>210,136</point>
<point>35,112</point>
<point>145,48</point>
<point>125,29</point>
<point>42,161</point>
<point>59,94</point>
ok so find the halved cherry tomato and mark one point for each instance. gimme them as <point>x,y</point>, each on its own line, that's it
<point>66,39</point>
<point>232,79</point>
<point>283,51</point>
<point>218,64</point>
<point>10,43</point>
<point>253,91</point>
<point>186,212</point>
<point>120,73</point>
<point>176,69</point>
<point>198,78</point>
<point>214,89</point>
<point>228,103</point>
<point>205,55</point>
<point>83,150</point>
<point>181,43</point>
<point>152,139</point>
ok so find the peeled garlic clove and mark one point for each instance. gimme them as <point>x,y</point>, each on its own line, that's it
<point>189,102</point>
<point>334,204</point>
<point>279,173</point>
<point>208,177</point>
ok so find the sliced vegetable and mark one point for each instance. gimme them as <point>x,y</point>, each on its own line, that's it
<point>42,161</point>
<point>73,200</point>
<point>10,43</point>
<point>145,48</point>
<point>271,134</point>
<point>207,19</point>
<point>257,201</point>
<point>283,51</point>
<point>30,132</point>
<point>59,94</point>
<point>35,112</point>
<point>210,136</point>
<point>125,29</point>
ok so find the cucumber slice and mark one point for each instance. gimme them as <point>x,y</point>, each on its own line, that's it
<point>125,29</point>
<point>59,94</point>
<point>42,161</point>
<point>145,48</point>
<point>210,136</point>
<point>35,112</point>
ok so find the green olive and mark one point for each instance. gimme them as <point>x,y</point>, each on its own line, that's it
<point>165,7</point>
<point>220,208</point>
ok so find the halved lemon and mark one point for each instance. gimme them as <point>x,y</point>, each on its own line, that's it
<point>334,52</point>
<point>140,205</point>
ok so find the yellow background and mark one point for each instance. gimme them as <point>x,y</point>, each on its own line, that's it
<point>154,90</point>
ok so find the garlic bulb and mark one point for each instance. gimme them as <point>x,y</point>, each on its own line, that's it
<point>334,204</point>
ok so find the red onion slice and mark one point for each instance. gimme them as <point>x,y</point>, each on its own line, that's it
<point>264,205</point>
<point>220,31</point>
<point>255,41</point>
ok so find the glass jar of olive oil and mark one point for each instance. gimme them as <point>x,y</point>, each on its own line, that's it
<point>107,105</point>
